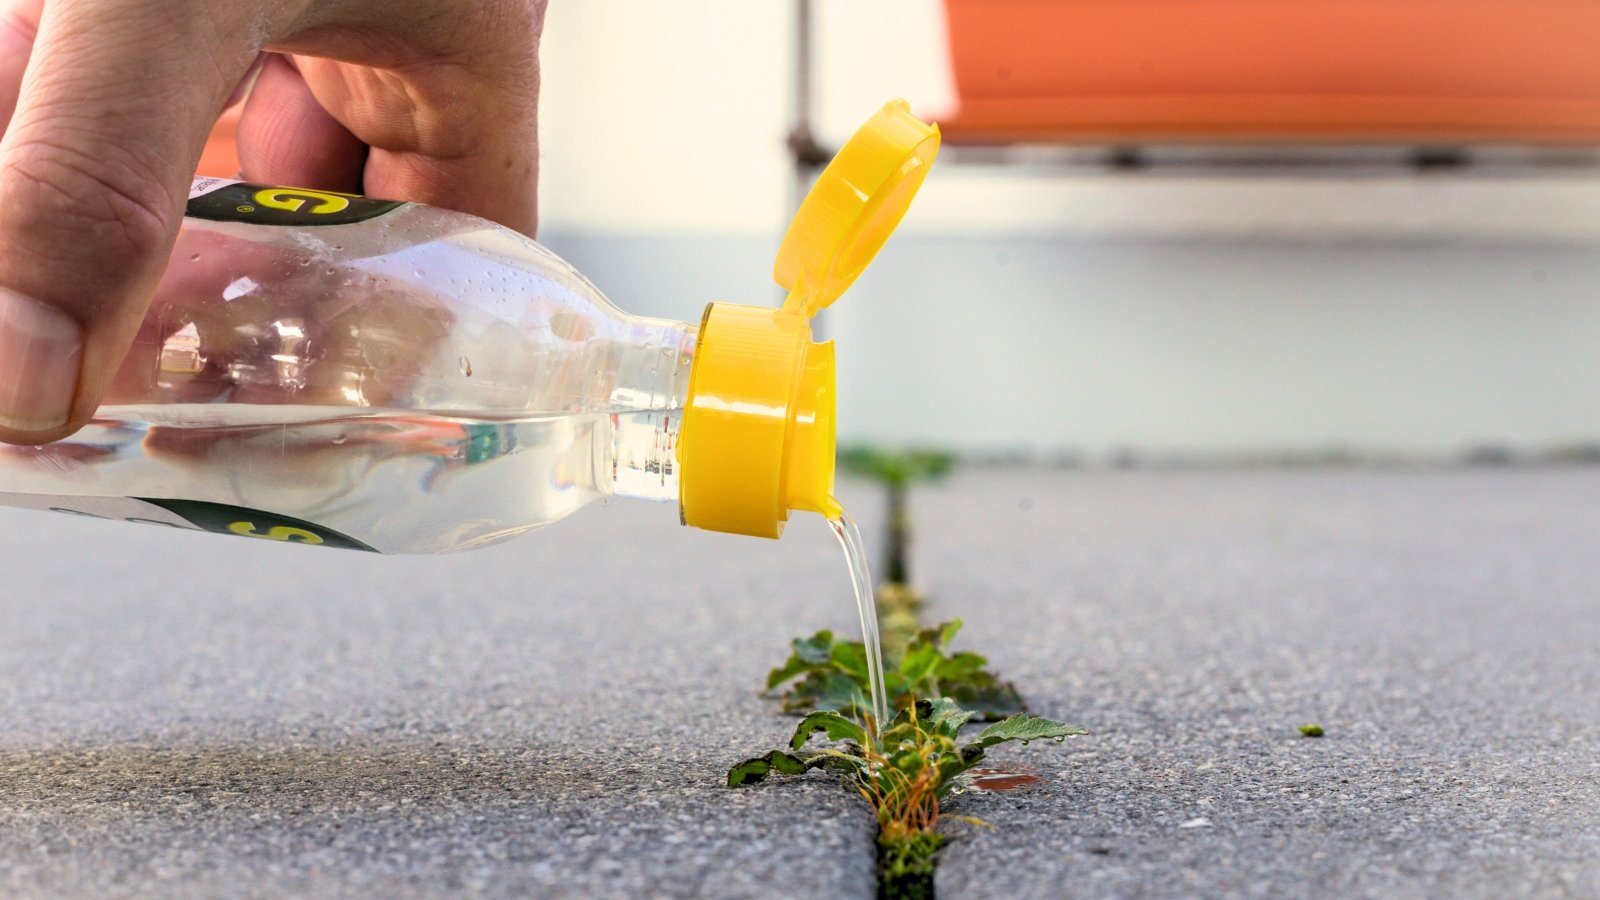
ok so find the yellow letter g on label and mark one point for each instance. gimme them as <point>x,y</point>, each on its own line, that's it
<point>300,200</point>
<point>276,533</point>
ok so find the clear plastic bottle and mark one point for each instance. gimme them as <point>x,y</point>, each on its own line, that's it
<point>326,369</point>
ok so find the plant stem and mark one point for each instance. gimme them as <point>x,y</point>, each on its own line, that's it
<point>897,569</point>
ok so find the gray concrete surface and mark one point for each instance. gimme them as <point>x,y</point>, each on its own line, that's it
<point>198,716</point>
<point>194,716</point>
<point>1443,628</point>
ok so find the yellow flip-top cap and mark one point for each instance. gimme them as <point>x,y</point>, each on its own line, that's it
<point>857,202</point>
<point>758,433</point>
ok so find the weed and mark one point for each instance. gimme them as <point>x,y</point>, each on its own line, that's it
<point>829,674</point>
<point>918,760</point>
<point>899,617</point>
<point>1312,730</point>
<point>905,868</point>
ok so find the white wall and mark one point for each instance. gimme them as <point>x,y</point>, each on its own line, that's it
<point>672,116</point>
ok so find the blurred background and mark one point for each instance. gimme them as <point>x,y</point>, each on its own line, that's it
<point>1161,231</point>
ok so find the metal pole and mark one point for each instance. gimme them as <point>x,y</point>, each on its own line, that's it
<point>807,155</point>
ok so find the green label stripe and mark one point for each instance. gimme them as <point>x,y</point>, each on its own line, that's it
<point>261,204</point>
<point>224,519</point>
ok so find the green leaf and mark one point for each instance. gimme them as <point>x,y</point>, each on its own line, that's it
<point>834,725</point>
<point>842,692</point>
<point>852,658</point>
<point>960,665</point>
<point>817,649</point>
<point>945,718</point>
<point>837,760</point>
<point>1020,727</point>
<point>809,654</point>
<point>793,668</point>
<point>984,693</point>
<point>826,673</point>
<point>921,660</point>
<point>906,864</point>
<point>895,469</point>
<point>753,771</point>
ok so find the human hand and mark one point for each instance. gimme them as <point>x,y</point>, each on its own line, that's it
<point>109,103</point>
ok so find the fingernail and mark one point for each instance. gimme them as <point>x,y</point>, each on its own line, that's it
<point>40,351</point>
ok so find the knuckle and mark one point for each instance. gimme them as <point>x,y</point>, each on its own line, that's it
<point>122,210</point>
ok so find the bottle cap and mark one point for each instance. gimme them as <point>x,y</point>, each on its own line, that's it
<point>758,436</point>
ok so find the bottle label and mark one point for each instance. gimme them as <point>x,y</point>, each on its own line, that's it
<point>192,515</point>
<point>224,200</point>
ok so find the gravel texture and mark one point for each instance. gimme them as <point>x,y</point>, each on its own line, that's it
<point>199,716</point>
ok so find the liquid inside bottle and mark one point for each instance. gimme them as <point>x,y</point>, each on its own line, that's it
<point>418,381</point>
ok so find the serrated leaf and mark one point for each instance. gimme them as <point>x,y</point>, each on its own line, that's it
<point>945,718</point>
<point>813,678</point>
<point>754,771</point>
<point>831,723</point>
<point>1020,727</point>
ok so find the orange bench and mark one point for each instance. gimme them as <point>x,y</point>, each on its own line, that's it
<point>1194,71</point>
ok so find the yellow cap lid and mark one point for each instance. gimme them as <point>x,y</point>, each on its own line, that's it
<point>857,202</point>
<point>758,432</point>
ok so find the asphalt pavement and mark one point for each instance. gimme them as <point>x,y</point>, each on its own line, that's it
<point>199,716</point>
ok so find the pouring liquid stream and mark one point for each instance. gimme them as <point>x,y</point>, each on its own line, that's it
<point>849,536</point>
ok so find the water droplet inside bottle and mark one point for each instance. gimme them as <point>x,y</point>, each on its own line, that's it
<point>466,366</point>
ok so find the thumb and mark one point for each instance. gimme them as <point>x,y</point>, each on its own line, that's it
<point>115,106</point>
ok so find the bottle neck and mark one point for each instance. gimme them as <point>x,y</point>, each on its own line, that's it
<point>648,398</point>
<point>652,364</point>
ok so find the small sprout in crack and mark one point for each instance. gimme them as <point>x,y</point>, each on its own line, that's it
<point>825,673</point>
<point>1312,730</point>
